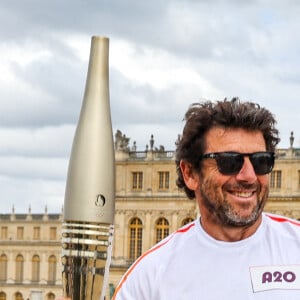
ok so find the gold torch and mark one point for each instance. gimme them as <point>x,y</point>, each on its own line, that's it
<point>89,205</point>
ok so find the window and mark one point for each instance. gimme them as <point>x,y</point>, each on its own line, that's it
<point>52,269</point>
<point>3,268</point>
<point>50,296</point>
<point>135,238</point>
<point>19,268</point>
<point>19,296</point>
<point>162,229</point>
<point>2,296</point>
<point>187,221</point>
<point>275,180</point>
<point>163,180</point>
<point>36,233</point>
<point>35,268</point>
<point>52,233</point>
<point>20,233</point>
<point>4,233</point>
<point>36,295</point>
<point>137,180</point>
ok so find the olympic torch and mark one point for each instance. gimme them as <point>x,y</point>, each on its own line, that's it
<point>89,205</point>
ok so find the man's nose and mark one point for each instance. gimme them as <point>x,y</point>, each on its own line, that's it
<point>247,172</point>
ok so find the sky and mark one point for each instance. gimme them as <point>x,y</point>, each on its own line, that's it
<point>164,55</point>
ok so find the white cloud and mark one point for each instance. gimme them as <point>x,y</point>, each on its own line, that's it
<point>34,142</point>
<point>23,193</point>
<point>34,168</point>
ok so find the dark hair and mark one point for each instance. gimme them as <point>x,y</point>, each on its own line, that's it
<point>201,117</point>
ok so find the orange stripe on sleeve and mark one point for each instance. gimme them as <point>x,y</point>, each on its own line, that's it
<point>281,219</point>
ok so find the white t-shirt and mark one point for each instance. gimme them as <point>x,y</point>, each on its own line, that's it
<point>190,264</point>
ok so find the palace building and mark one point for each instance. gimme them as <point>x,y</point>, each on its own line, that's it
<point>149,206</point>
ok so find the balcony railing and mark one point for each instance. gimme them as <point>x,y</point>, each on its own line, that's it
<point>148,155</point>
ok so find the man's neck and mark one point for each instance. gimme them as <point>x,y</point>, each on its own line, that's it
<point>228,233</point>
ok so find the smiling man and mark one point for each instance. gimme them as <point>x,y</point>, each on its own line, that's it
<point>233,251</point>
<point>230,198</point>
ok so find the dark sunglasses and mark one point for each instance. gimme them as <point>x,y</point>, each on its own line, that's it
<point>230,163</point>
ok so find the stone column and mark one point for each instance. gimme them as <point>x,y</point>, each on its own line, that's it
<point>148,232</point>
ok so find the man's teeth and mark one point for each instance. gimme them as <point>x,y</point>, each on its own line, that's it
<point>243,194</point>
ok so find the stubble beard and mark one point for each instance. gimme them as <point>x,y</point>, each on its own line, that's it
<point>226,214</point>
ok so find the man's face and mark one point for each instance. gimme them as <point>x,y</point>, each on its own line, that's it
<point>235,200</point>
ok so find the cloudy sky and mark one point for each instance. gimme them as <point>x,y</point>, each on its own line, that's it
<point>164,55</point>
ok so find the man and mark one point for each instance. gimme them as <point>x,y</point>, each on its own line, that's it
<point>234,251</point>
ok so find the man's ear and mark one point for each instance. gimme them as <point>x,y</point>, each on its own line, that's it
<point>190,177</point>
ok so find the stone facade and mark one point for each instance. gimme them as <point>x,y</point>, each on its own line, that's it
<point>30,251</point>
<point>149,206</point>
<point>284,197</point>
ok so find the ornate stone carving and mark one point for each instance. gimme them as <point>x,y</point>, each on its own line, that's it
<point>121,142</point>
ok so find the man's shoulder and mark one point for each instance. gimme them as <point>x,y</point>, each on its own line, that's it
<point>150,267</point>
<point>177,238</point>
<point>279,219</point>
<point>168,247</point>
<point>282,225</point>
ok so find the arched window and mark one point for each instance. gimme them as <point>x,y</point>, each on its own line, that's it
<point>187,220</point>
<point>3,268</point>
<point>2,296</point>
<point>162,229</point>
<point>135,238</point>
<point>19,296</point>
<point>52,269</point>
<point>50,296</point>
<point>19,268</point>
<point>35,268</point>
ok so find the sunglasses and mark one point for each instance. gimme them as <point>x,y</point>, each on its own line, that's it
<point>230,163</point>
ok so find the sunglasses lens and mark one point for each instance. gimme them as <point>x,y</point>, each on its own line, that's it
<point>229,163</point>
<point>262,162</point>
